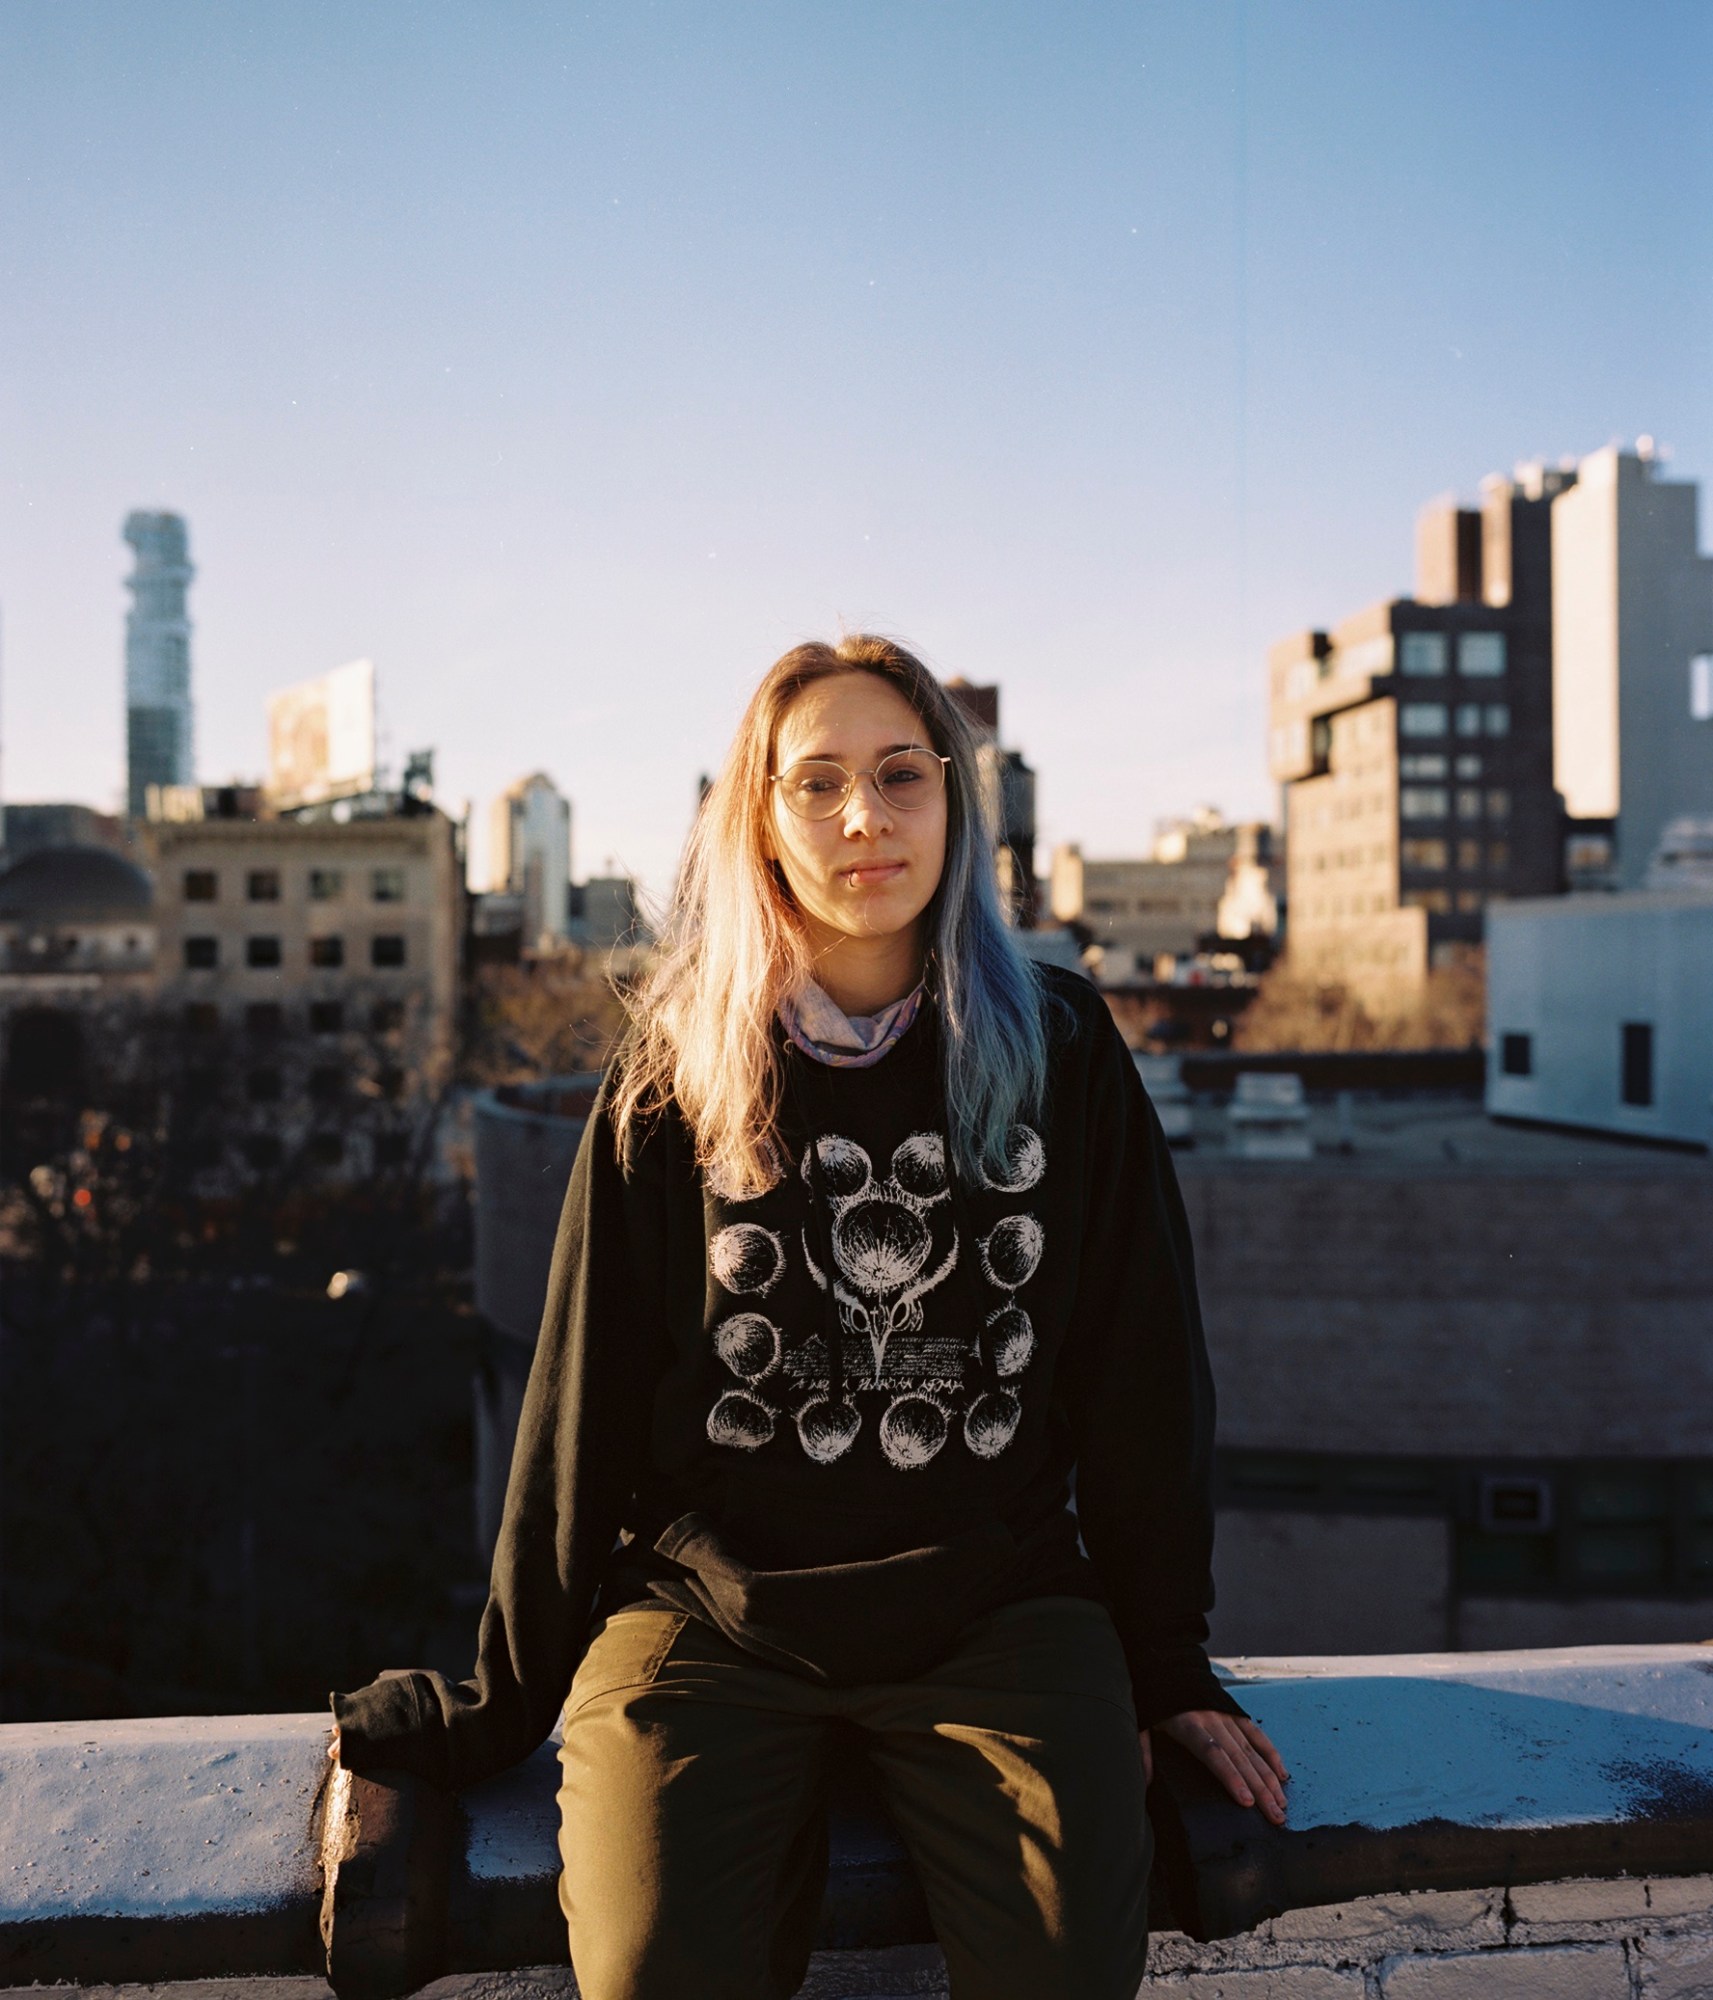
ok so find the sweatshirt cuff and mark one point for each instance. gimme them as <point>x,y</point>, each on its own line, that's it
<point>387,1726</point>
<point>1168,1684</point>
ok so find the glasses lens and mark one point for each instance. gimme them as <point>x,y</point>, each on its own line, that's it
<point>909,778</point>
<point>814,791</point>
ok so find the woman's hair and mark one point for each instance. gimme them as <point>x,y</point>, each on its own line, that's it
<point>733,947</point>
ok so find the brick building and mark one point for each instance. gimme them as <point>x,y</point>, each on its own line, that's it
<point>1414,745</point>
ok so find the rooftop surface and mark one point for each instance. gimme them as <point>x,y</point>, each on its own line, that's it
<point>1413,1135</point>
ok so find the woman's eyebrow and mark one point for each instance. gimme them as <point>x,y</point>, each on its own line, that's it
<point>837,757</point>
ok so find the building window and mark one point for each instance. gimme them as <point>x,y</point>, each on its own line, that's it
<point>201,954</point>
<point>1468,902</point>
<point>201,885</point>
<point>390,1083</point>
<point>262,1150</point>
<point>1422,718</point>
<point>1422,802</point>
<point>202,1017</point>
<point>388,885</point>
<point>264,1017</point>
<point>1638,1063</point>
<point>326,885</point>
<point>1421,653</point>
<point>386,1017</point>
<point>263,885</point>
<point>1517,1055</point>
<point>1469,765</point>
<point>386,951</point>
<point>262,951</point>
<point>392,1149</point>
<point>1469,718</point>
<point>326,1017</point>
<point>327,1083</point>
<point>1497,719</point>
<point>1481,654</point>
<point>1437,901</point>
<point>1423,764</point>
<point>1469,856</point>
<point>1469,805</point>
<point>1498,856</point>
<point>1701,688</point>
<point>1422,853</point>
<point>326,1149</point>
<point>1498,803</point>
<point>327,952</point>
<point>264,1086</point>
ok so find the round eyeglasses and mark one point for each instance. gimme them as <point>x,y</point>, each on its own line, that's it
<point>817,788</point>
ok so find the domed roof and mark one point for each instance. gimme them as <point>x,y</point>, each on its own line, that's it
<point>83,884</point>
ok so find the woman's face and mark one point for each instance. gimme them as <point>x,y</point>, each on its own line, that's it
<point>871,869</point>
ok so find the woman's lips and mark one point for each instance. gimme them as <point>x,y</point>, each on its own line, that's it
<point>870,874</point>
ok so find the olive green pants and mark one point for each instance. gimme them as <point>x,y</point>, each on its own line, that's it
<point>692,1823</point>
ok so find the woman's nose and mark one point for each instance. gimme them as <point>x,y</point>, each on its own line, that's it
<point>866,809</point>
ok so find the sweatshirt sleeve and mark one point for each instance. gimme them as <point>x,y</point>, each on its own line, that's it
<point>581,1443</point>
<point>1139,1393</point>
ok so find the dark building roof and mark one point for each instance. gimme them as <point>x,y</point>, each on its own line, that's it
<point>85,884</point>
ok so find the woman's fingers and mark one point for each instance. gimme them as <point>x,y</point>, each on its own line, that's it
<point>1239,1755</point>
<point>1259,1738</point>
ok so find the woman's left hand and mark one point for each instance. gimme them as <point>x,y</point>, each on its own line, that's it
<point>1235,1749</point>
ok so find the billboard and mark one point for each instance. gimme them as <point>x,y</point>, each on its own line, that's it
<point>321,737</point>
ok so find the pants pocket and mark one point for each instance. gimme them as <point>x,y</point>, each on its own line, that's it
<point>627,1651</point>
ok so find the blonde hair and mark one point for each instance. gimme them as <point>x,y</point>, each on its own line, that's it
<point>733,947</point>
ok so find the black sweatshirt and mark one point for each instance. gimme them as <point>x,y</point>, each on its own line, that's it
<point>840,1420</point>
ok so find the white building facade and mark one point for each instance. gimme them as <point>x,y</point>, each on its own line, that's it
<point>1632,621</point>
<point>532,855</point>
<point>1599,1016</point>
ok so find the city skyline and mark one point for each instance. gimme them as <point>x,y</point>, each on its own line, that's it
<point>551,362</point>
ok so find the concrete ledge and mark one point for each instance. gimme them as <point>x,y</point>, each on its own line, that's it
<point>1528,1794</point>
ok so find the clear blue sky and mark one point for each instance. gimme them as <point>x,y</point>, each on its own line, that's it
<point>572,361</point>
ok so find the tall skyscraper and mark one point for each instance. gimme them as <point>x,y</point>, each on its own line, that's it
<point>158,741</point>
<point>532,854</point>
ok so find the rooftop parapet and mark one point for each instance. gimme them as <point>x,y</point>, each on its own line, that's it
<point>214,1847</point>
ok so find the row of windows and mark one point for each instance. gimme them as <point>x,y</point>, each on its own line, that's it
<point>1635,1060</point>
<point>1589,1529</point>
<point>262,885</point>
<point>1441,902</point>
<point>264,1150</point>
<point>1434,802</point>
<point>326,954</point>
<point>1470,718</point>
<point>1434,764</point>
<point>327,1083</point>
<point>264,1018</point>
<point>1479,654</point>
<point>1436,855</point>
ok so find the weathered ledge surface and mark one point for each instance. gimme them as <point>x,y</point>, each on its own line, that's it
<point>214,1847</point>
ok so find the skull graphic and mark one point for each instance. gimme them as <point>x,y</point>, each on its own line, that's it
<point>882,1239</point>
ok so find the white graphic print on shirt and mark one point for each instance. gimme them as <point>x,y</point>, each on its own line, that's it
<point>894,1242</point>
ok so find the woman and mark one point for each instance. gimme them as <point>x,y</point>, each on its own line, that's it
<point>872,1242</point>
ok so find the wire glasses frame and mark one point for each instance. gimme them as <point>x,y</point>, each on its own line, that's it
<point>816,788</point>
